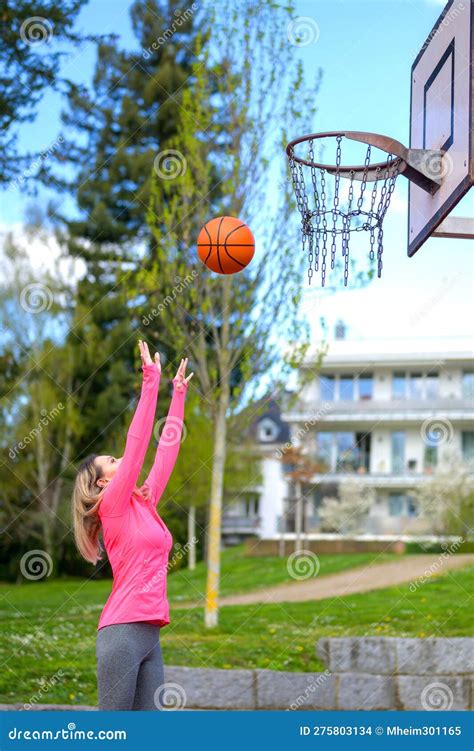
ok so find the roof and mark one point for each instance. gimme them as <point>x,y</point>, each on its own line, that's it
<point>379,352</point>
<point>272,411</point>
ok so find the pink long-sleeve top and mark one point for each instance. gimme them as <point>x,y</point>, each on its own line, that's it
<point>136,539</point>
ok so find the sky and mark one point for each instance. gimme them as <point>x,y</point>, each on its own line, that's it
<point>366,50</point>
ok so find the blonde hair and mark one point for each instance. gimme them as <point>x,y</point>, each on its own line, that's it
<point>86,500</point>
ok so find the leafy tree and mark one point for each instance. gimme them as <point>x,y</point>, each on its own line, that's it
<point>30,35</point>
<point>40,417</point>
<point>246,98</point>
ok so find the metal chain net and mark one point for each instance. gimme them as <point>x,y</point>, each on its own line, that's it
<point>347,214</point>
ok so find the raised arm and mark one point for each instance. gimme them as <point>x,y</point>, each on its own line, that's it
<point>118,491</point>
<point>170,439</point>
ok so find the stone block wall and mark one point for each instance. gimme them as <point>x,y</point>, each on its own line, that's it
<point>363,673</point>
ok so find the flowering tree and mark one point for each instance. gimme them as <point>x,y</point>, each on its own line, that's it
<point>347,513</point>
<point>447,499</point>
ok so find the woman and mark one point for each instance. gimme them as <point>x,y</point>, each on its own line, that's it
<point>137,541</point>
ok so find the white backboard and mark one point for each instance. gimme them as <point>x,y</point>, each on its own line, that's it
<point>441,117</point>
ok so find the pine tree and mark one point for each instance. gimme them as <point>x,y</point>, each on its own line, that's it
<point>30,60</point>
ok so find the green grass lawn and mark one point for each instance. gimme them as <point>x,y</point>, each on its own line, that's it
<point>241,573</point>
<point>51,626</point>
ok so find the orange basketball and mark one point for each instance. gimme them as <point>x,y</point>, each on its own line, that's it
<point>226,245</point>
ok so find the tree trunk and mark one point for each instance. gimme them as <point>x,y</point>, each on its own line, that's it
<point>191,535</point>
<point>298,516</point>
<point>281,541</point>
<point>211,611</point>
<point>214,539</point>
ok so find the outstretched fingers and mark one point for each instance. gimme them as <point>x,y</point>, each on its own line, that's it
<point>145,355</point>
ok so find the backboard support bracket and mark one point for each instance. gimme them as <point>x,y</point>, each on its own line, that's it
<point>458,227</point>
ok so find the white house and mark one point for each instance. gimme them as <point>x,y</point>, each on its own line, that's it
<point>383,413</point>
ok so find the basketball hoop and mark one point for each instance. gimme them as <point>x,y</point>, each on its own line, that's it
<point>322,224</point>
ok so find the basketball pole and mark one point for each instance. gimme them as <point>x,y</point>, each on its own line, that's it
<point>213,555</point>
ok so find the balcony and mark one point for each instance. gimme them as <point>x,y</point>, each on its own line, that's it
<point>240,524</point>
<point>368,410</point>
<point>404,479</point>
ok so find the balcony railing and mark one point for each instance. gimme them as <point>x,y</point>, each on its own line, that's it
<point>240,523</point>
<point>322,411</point>
<point>287,523</point>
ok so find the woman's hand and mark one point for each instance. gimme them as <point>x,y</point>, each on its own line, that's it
<point>145,355</point>
<point>180,382</point>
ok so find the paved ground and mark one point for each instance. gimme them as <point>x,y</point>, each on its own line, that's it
<point>375,576</point>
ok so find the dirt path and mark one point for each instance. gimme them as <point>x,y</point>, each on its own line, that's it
<point>363,579</point>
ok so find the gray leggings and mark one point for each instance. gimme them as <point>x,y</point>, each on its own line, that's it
<point>129,666</point>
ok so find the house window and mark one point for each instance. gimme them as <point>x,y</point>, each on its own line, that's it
<point>346,388</point>
<point>343,452</point>
<point>365,386</point>
<point>267,430</point>
<point>395,504</point>
<point>237,508</point>
<point>468,446</point>
<point>398,451</point>
<point>327,388</point>
<point>468,385</point>
<point>252,506</point>
<point>431,456</point>
<point>415,386</point>
<point>400,504</point>
<point>431,386</point>
<point>399,385</point>
<point>347,451</point>
<point>324,442</point>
